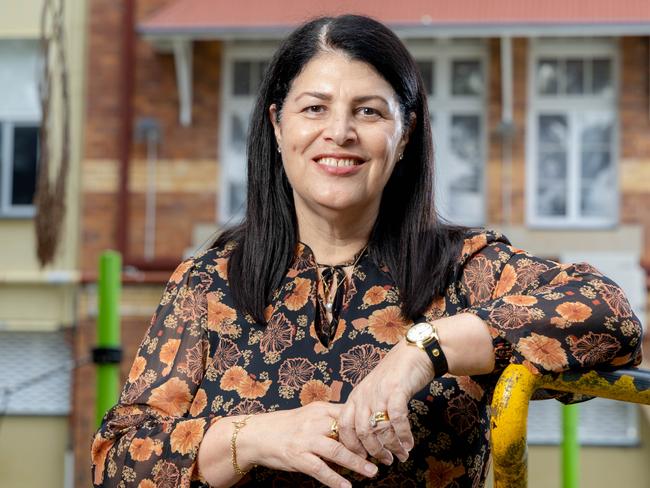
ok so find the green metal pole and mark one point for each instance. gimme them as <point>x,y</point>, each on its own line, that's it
<point>108,331</point>
<point>570,447</point>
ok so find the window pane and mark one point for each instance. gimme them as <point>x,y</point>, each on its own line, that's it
<point>553,132</point>
<point>19,70</point>
<point>467,78</point>
<point>261,69</point>
<point>598,192</point>
<point>427,71</point>
<point>465,146</point>
<point>548,76</point>
<point>596,131</point>
<point>552,166</point>
<point>462,176</point>
<point>601,77</point>
<point>25,157</point>
<point>552,184</point>
<point>242,78</point>
<point>237,200</point>
<point>238,134</point>
<point>574,77</point>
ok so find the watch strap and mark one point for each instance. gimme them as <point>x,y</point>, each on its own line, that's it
<point>437,356</point>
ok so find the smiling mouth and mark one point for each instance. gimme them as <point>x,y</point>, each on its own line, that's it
<point>339,162</point>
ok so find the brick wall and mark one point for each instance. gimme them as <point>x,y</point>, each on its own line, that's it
<point>187,173</point>
<point>634,117</point>
<point>496,171</point>
<point>183,151</point>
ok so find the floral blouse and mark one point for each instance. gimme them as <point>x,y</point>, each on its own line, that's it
<point>202,360</point>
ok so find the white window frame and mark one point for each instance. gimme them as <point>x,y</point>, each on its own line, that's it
<point>579,104</point>
<point>231,164</point>
<point>22,114</point>
<point>443,105</point>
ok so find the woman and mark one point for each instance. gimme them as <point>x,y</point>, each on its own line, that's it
<point>342,324</point>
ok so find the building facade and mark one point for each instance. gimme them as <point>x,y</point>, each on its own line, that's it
<point>37,304</point>
<point>540,124</point>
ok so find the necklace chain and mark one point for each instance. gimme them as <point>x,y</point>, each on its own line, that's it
<point>350,262</point>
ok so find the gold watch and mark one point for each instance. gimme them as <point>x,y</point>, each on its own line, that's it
<point>425,336</point>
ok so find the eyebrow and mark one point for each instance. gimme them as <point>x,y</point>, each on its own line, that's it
<point>326,97</point>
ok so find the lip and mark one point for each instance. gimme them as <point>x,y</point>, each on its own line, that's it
<point>340,156</point>
<point>339,170</point>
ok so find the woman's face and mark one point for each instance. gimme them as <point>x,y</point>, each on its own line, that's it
<point>340,132</point>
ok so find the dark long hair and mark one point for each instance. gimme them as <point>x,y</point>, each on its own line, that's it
<point>419,249</point>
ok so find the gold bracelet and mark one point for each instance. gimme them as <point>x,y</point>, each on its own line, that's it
<point>239,424</point>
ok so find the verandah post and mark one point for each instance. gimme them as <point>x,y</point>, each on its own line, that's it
<point>570,446</point>
<point>108,353</point>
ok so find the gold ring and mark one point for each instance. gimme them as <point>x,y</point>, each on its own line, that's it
<point>334,430</point>
<point>378,417</point>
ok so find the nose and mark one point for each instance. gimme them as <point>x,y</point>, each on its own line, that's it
<point>340,128</point>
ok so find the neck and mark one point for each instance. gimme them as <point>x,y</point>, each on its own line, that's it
<point>334,237</point>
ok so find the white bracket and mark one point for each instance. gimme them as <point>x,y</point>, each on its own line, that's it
<point>183,62</point>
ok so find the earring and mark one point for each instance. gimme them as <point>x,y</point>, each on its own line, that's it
<point>279,150</point>
<point>401,156</point>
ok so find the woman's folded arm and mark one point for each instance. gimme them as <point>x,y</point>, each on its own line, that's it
<point>548,316</point>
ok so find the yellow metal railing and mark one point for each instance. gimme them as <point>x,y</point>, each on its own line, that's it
<point>510,410</point>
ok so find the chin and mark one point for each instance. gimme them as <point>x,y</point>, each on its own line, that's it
<point>342,204</point>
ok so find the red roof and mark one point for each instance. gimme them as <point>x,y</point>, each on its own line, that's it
<point>221,16</point>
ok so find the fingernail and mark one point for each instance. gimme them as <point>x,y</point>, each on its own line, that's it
<point>371,469</point>
<point>345,484</point>
<point>402,457</point>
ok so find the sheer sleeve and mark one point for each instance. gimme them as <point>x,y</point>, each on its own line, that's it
<point>548,316</point>
<point>151,437</point>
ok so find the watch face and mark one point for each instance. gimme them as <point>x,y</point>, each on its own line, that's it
<point>419,332</point>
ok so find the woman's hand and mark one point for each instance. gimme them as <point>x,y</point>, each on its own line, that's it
<point>403,372</point>
<point>288,440</point>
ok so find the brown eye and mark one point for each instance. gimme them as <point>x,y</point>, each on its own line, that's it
<point>315,109</point>
<point>369,112</point>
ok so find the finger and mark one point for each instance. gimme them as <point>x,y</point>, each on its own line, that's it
<point>369,438</point>
<point>341,455</point>
<point>398,413</point>
<point>315,467</point>
<point>347,434</point>
<point>389,440</point>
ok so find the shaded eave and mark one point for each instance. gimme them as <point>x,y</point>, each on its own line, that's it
<point>405,30</point>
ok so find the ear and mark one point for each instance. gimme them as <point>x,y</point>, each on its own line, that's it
<point>275,121</point>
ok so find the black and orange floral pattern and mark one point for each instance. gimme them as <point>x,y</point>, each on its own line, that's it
<point>202,360</point>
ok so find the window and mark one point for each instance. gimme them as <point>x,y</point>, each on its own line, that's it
<point>572,135</point>
<point>19,127</point>
<point>244,67</point>
<point>454,74</point>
